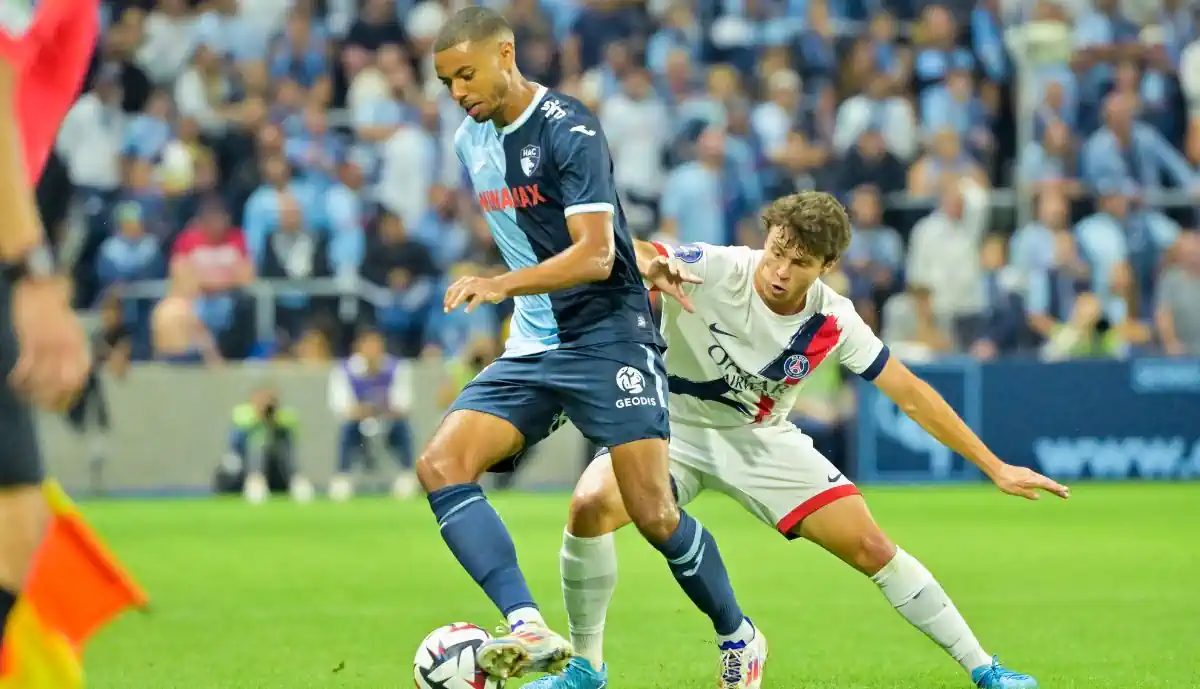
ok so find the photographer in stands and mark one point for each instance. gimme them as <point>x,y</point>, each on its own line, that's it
<point>372,393</point>
<point>261,447</point>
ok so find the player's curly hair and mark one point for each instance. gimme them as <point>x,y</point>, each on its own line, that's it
<point>811,222</point>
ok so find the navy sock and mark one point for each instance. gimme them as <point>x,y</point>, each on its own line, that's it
<point>477,537</point>
<point>696,563</point>
<point>7,600</point>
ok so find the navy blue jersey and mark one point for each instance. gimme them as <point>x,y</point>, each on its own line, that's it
<point>550,163</point>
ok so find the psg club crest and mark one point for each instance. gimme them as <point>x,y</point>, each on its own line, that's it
<point>689,253</point>
<point>530,157</point>
<point>796,367</point>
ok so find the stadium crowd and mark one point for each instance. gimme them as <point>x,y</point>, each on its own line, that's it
<point>235,147</point>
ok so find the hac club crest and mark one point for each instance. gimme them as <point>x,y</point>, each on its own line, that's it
<point>796,367</point>
<point>530,157</point>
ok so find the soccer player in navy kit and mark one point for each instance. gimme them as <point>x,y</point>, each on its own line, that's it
<point>582,342</point>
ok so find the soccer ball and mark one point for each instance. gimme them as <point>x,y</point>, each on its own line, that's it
<point>446,659</point>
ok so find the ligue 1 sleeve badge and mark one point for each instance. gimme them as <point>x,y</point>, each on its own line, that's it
<point>689,253</point>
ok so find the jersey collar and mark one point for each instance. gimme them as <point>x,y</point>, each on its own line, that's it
<point>516,124</point>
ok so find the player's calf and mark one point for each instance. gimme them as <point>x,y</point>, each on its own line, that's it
<point>846,529</point>
<point>691,551</point>
<point>464,446</point>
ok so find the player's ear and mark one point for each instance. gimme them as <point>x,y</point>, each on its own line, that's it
<point>508,53</point>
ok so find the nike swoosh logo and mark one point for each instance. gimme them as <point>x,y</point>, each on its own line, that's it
<point>835,478</point>
<point>716,330</point>
<point>478,166</point>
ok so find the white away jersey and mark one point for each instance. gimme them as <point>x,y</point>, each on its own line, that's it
<point>734,362</point>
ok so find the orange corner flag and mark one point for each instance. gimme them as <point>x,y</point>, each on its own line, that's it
<point>74,588</point>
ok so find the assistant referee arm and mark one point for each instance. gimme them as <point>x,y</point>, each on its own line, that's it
<point>20,225</point>
<point>590,258</point>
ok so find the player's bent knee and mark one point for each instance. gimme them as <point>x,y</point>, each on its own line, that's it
<point>872,552</point>
<point>464,446</point>
<point>656,519</point>
<point>595,510</point>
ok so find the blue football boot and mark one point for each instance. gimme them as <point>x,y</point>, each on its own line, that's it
<point>996,676</point>
<point>579,675</point>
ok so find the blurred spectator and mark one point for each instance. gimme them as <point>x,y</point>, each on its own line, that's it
<point>1103,36</point>
<point>130,254</point>
<point>875,259</point>
<point>1053,291</point>
<point>1189,81</point>
<point>1127,149</point>
<point>693,200</point>
<point>1118,233</point>
<point>938,52</point>
<point>404,269</point>
<point>1051,164</point>
<point>443,231</point>
<point>148,132</point>
<point>203,92</point>
<point>314,149</point>
<point>1000,328</point>
<point>345,213</point>
<point>168,43</point>
<point>1032,247</point>
<point>300,54</point>
<point>179,334</point>
<point>911,328</point>
<point>293,252</point>
<point>372,394</point>
<point>261,458</point>
<point>954,106</point>
<point>870,164</point>
<point>944,159</point>
<point>637,125</point>
<point>1176,314</point>
<point>409,167</point>
<point>375,27</point>
<point>943,253</point>
<point>214,251</point>
<point>877,109</point>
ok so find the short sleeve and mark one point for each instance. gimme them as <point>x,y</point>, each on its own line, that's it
<point>584,166</point>
<point>708,262</point>
<point>860,350</point>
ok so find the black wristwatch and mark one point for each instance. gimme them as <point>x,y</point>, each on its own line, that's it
<point>36,264</point>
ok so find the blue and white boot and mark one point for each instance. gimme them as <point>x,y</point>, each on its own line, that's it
<point>996,676</point>
<point>579,675</point>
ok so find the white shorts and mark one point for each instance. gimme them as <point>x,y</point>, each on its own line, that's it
<point>772,471</point>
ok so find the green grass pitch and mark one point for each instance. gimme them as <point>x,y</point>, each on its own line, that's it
<point>1101,592</point>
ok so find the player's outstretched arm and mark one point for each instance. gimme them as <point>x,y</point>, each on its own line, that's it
<point>923,404</point>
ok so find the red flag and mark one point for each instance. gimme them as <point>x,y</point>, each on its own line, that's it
<point>50,60</point>
<point>75,586</point>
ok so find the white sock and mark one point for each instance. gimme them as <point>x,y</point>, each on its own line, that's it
<point>589,578</point>
<point>916,595</point>
<point>743,635</point>
<point>524,615</point>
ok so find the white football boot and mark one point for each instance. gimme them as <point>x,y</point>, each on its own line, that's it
<point>742,663</point>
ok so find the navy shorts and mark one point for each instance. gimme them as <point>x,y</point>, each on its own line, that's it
<point>614,393</point>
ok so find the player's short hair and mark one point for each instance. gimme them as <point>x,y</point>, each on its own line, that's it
<point>470,24</point>
<point>811,222</point>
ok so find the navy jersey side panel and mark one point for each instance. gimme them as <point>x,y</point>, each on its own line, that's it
<point>562,156</point>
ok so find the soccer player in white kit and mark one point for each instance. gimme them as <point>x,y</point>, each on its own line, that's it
<point>749,327</point>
